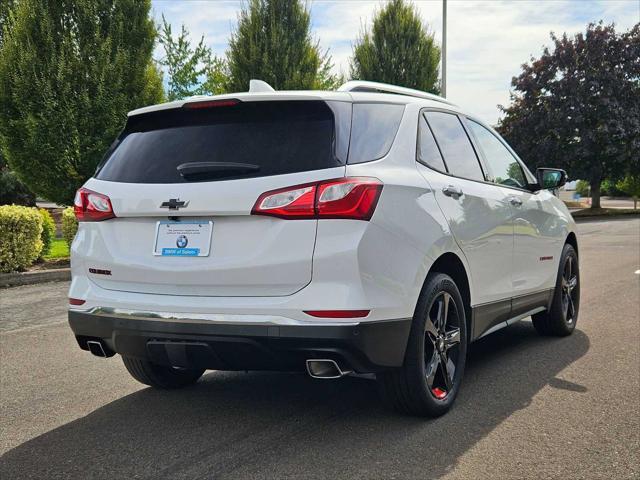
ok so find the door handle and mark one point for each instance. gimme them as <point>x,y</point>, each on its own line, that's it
<point>451,191</point>
<point>515,201</point>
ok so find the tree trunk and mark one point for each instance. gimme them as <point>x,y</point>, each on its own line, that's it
<point>595,192</point>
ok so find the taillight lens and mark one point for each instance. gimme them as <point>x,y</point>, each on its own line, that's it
<point>352,197</point>
<point>90,206</point>
<point>290,202</point>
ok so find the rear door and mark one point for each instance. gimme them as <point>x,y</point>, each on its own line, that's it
<point>191,176</point>
<point>478,214</point>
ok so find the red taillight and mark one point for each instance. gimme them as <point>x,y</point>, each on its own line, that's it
<point>76,301</point>
<point>211,104</point>
<point>290,202</point>
<point>355,198</point>
<point>337,313</point>
<point>90,206</point>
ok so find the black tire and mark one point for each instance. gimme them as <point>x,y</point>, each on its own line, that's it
<point>418,387</point>
<point>159,376</point>
<point>560,320</point>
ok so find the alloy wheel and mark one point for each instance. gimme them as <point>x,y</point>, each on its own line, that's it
<point>569,290</point>
<point>441,345</point>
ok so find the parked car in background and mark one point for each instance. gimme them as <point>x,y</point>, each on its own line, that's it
<point>375,229</point>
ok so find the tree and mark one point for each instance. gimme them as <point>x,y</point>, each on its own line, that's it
<point>325,78</point>
<point>272,42</point>
<point>631,186</point>
<point>6,6</point>
<point>216,77</point>
<point>578,106</point>
<point>69,72</point>
<point>12,190</point>
<point>186,66</point>
<point>398,49</point>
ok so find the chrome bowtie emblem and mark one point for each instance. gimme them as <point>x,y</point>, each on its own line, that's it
<point>174,204</point>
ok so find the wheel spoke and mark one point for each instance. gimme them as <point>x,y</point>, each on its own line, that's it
<point>567,269</point>
<point>452,338</point>
<point>446,374</point>
<point>432,368</point>
<point>570,309</point>
<point>444,311</point>
<point>573,283</point>
<point>430,328</point>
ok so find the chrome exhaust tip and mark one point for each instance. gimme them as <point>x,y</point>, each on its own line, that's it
<point>96,348</point>
<point>325,369</point>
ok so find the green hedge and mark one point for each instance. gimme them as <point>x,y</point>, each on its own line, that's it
<point>20,242</point>
<point>69,225</point>
<point>48,231</point>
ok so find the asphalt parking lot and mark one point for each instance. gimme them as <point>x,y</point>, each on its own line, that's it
<point>530,407</point>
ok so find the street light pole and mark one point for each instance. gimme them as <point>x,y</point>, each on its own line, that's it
<point>444,48</point>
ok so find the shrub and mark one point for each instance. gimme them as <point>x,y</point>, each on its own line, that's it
<point>20,242</point>
<point>69,225</point>
<point>582,188</point>
<point>48,231</point>
<point>610,189</point>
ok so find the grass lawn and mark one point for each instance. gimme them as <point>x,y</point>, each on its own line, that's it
<point>59,249</point>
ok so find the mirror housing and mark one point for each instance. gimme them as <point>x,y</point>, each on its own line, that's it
<point>550,178</point>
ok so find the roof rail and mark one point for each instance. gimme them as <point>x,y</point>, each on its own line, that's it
<point>363,86</point>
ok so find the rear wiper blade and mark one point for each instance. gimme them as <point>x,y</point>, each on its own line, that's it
<point>206,169</point>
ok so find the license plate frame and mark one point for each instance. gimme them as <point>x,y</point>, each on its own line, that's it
<point>197,238</point>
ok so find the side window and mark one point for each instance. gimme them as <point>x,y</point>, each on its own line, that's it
<point>373,128</point>
<point>505,169</point>
<point>428,152</point>
<point>455,145</point>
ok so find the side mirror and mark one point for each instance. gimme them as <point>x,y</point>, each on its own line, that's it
<point>551,178</point>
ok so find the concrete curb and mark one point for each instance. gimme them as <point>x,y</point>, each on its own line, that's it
<point>38,276</point>
<point>590,218</point>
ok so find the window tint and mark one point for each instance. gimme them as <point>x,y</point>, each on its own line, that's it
<point>505,169</point>
<point>275,137</point>
<point>428,151</point>
<point>456,148</point>
<point>373,128</point>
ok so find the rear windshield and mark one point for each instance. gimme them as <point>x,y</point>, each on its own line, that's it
<point>250,139</point>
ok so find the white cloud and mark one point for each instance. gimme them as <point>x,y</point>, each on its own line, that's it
<point>487,40</point>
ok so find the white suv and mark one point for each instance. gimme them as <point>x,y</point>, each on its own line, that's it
<point>375,229</point>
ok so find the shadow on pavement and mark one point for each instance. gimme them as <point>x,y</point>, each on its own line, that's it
<point>266,425</point>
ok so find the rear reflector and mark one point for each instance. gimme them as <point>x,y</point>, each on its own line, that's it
<point>90,206</point>
<point>337,313</point>
<point>352,197</point>
<point>76,301</point>
<point>211,104</point>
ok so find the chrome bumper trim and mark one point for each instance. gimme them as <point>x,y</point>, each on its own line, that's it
<point>211,318</point>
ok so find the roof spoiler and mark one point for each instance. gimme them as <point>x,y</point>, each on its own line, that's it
<point>363,86</point>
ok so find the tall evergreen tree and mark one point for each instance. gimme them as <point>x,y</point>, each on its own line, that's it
<point>273,43</point>
<point>69,72</point>
<point>5,11</point>
<point>398,50</point>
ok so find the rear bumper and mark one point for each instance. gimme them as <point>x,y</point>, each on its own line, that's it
<point>364,347</point>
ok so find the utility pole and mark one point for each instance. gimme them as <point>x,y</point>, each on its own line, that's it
<point>444,48</point>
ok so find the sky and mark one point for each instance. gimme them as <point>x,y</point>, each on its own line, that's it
<point>487,40</point>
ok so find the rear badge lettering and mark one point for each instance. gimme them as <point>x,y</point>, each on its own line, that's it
<point>98,271</point>
<point>542,259</point>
